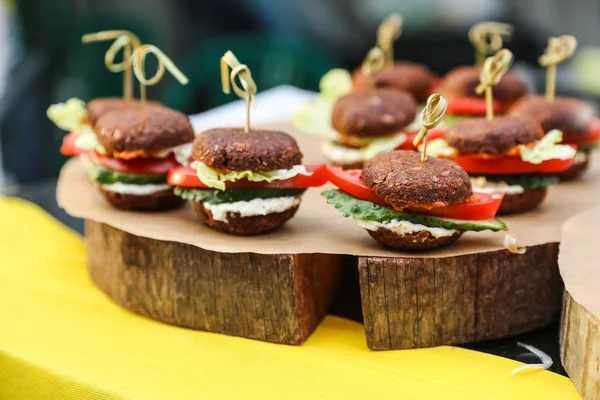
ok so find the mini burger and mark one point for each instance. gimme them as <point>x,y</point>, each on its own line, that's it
<point>128,148</point>
<point>409,204</point>
<point>459,87</point>
<point>369,123</point>
<point>575,118</point>
<point>413,78</point>
<point>78,118</point>
<point>508,154</point>
<point>245,183</point>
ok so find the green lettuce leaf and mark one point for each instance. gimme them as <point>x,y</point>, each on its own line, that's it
<point>89,141</point>
<point>381,145</point>
<point>547,149</point>
<point>105,176</point>
<point>216,179</point>
<point>335,83</point>
<point>370,149</point>
<point>439,147</point>
<point>213,196</point>
<point>70,116</point>
<point>314,117</point>
<point>367,211</point>
<point>450,120</point>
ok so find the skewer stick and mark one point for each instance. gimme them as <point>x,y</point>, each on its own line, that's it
<point>123,40</point>
<point>487,38</point>
<point>242,72</point>
<point>389,30</point>
<point>491,72</point>
<point>431,116</point>
<point>559,49</point>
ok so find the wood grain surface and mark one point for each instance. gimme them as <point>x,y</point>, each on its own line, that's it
<point>417,302</point>
<point>275,298</point>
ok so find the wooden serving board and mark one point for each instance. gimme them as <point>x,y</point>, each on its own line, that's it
<point>278,298</point>
<point>170,267</point>
<point>580,324</point>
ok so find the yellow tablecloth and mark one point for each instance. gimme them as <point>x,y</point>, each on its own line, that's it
<point>61,338</point>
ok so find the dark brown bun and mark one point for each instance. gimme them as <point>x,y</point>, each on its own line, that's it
<point>416,79</point>
<point>159,201</point>
<point>373,113</point>
<point>148,128</point>
<point>522,202</point>
<point>354,165</point>
<point>402,180</point>
<point>257,150</point>
<point>575,171</point>
<point>422,240</point>
<point>244,226</point>
<point>462,81</point>
<point>98,107</point>
<point>570,115</point>
<point>478,135</point>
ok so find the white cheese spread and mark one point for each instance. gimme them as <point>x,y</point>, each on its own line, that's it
<point>252,208</point>
<point>341,154</point>
<point>404,227</point>
<point>482,185</point>
<point>140,190</point>
<point>182,153</point>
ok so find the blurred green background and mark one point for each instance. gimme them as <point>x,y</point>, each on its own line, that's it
<point>43,61</point>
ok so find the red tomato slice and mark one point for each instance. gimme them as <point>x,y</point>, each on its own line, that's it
<point>139,166</point>
<point>592,137</point>
<point>186,177</point>
<point>480,206</point>
<point>435,133</point>
<point>350,182</point>
<point>472,106</point>
<point>68,147</point>
<point>509,165</point>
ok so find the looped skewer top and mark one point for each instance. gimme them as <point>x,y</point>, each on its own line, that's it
<point>389,30</point>
<point>164,62</point>
<point>134,58</point>
<point>431,116</point>
<point>243,74</point>
<point>373,62</point>
<point>487,38</point>
<point>493,68</point>
<point>491,72</point>
<point>559,49</point>
<point>123,40</point>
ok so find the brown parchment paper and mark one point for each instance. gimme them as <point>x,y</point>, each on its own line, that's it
<point>318,227</point>
<point>579,258</point>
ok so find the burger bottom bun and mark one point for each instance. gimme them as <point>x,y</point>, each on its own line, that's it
<point>575,171</point>
<point>354,165</point>
<point>522,202</point>
<point>244,226</point>
<point>422,240</point>
<point>159,201</point>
